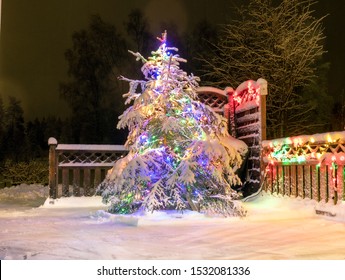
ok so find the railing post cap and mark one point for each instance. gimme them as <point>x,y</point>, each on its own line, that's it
<point>229,91</point>
<point>52,141</point>
<point>263,86</point>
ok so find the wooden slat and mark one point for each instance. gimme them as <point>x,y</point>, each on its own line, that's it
<point>283,180</point>
<point>295,173</point>
<point>65,182</point>
<point>326,184</point>
<point>290,179</point>
<point>335,198</point>
<point>318,181</point>
<point>303,181</point>
<point>343,183</point>
<point>87,182</point>
<point>277,178</point>
<point>311,181</point>
<point>76,182</point>
<point>97,177</point>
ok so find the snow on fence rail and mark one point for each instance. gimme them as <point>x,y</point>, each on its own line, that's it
<point>80,168</point>
<point>306,166</point>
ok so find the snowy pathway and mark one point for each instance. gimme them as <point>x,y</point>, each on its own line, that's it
<point>274,229</point>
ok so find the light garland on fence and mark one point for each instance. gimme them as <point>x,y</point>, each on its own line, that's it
<point>325,148</point>
<point>249,93</point>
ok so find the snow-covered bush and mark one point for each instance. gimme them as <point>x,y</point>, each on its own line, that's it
<point>31,172</point>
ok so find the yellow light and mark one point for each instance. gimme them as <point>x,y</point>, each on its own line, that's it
<point>312,140</point>
<point>137,196</point>
<point>329,138</point>
<point>297,141</point>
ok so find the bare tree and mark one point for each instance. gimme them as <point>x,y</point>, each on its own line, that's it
<point>281,43</point>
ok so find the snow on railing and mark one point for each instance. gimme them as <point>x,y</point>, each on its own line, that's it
<point>307,166</point>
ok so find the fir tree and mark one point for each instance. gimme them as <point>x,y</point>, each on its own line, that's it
<point>180,153</point>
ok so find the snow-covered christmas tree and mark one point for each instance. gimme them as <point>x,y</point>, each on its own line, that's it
<point>180,153</point>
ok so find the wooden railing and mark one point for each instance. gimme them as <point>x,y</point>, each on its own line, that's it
<point>78,169</point>
<point>307,166</point>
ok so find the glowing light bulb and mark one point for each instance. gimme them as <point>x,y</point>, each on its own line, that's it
<point>295,142</point>
<point>301,158</point>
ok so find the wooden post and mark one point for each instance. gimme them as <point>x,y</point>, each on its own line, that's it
<point>263,92</point>
<point>52,142</point>
<point>229,113</point>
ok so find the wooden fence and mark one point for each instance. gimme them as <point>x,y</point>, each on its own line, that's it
<point>307,166</point>
<point>78,169</point>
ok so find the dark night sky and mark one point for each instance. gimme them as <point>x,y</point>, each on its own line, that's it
<point>36,33</point>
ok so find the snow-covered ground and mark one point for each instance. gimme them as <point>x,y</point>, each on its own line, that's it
<point>33,227</point>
